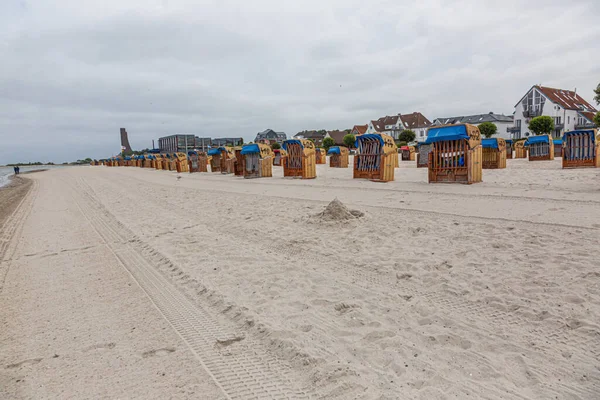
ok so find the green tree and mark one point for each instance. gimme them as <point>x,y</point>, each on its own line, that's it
<point>348,130</point>
<point>597,96</point>
<point>542,125</point>
<point>407,135</point>
<point>349,140</point>
<point>328,142</point>
<point>137,152</point>
<point>597,119</point>
<point>488,129</point>
<point>275,146</point>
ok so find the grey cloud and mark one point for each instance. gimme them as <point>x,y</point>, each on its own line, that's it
<point>73,74</point>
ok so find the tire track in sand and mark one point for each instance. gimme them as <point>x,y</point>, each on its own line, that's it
<point>241,372</point>
<point>11,229</point>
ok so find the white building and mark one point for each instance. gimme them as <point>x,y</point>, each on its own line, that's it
<point>271,136</point>
<point>569,111</point>
<point>585,120</point>
<point>418,123</point>
<point>390,125</point>
<point>502,122</point>
<point>395,124</point>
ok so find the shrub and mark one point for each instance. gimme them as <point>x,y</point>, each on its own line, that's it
<point>542,125</point>
<point>488,129</point>
<point>328,142</point>
<point>597,119</point>
<point>349,140</point>
<point>407,135</point>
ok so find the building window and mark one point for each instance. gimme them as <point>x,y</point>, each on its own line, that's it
<point>534,102</point>
<point>568,119</point>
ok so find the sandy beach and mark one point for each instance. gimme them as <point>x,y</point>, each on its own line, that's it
<point>136,283</point>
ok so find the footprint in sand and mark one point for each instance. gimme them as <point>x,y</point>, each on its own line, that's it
<point>343,308</point>
<point>518,371</point>
<point>229,340</point>
<point>158,352</point>
<point>375,336</point>
<point>31,361</point>
<point>100,346</point>
<point>574,299</point>
<point>452,340</point>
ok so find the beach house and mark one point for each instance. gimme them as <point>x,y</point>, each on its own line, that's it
<point>585,120</point>
<point>390,125</point>
<point>271,136</point>
<point>566,107</point>
<point>395,124</point>
<point>502,122</point>
<point>314,136</point>
<point>418,123</point>
<point>337,136</point>
<point>359,129</point>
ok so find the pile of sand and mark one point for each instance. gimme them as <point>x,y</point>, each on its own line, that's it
<point>336,211</point>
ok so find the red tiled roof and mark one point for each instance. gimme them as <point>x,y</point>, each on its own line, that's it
<point>588,115</point>
<point>360,129</point>
<point>415,120</point>
<point>376,125</point>
<point>566,98</point>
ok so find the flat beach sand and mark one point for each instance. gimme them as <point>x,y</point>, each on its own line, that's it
<point>134,283</point>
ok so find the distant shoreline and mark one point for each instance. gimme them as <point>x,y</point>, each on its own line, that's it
<point>11,195</point>
<point>6,179</point>
<point>36,165</point>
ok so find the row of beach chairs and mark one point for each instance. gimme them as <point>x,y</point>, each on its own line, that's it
<point>452,153</point>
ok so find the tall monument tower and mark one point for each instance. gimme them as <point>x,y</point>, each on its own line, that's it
<point>125,141</point>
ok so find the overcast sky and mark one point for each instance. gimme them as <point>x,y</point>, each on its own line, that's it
<point>72,72</point>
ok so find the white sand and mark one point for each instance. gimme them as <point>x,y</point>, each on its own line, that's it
<point>439,291</point>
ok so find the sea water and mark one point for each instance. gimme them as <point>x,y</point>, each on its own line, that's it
<point>6,172</point>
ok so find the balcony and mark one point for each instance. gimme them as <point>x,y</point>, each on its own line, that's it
<point>587,125</point>
<point>532,113</point>
<point>513,129</point>
<point>559,125</point>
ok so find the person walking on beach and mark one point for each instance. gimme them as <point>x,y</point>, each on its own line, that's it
<point>15,168</point>
<point>18,170</point>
